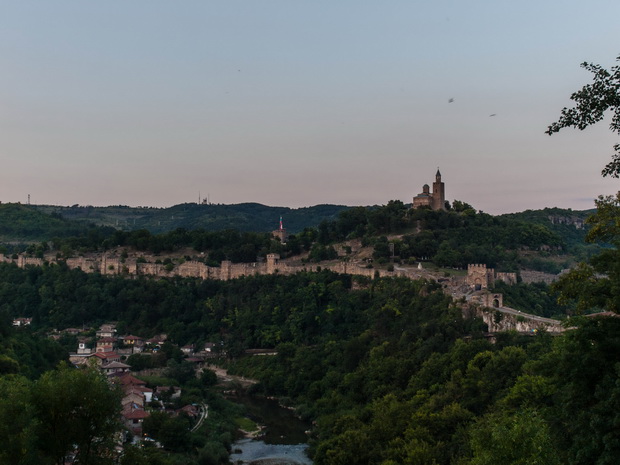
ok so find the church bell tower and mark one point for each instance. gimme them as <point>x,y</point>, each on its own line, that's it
<point>439,194</point>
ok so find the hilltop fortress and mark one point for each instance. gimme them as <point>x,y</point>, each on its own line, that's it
<point>436,200</point>
<point>478,277</point>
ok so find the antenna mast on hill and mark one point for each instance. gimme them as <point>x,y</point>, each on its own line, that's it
<point>28,199</point>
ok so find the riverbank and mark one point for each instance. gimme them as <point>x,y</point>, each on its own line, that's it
<point>224,377</point>
<point>280,438</point>
<point>251,452</point>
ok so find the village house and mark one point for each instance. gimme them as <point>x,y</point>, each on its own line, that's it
<point>130,380</point>
<point>147,392</point>
<point>188,349</point>
<point>209,346</point>
<point>106,344</point>
<point>107,330</point>
<point>71,331</point>
<point>156,342</point>
<point>135,396</point>
<point>22,321</point>
<point>130,383</point>
<point>133,417</point>
<point>209,350</point>
<point>136,343</point>
<point>114,368</point>
<point>103,358</point>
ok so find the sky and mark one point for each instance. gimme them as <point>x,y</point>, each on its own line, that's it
<point>297,103</point>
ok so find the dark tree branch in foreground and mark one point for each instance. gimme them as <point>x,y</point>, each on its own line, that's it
<point>592,102</point>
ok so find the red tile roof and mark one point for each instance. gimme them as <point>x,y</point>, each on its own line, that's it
<point>129,379</point>
<point>136,414</point>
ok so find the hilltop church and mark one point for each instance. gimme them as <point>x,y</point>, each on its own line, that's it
<point>435,200</point>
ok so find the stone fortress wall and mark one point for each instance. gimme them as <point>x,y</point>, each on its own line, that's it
<point>480,277</point>
<point>114,266</point>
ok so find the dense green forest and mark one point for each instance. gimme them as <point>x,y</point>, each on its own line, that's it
<point>569,224</point>
<point>457,237</point>
<point>24,223</point>
<point>408,398</point>
<point>388,368</point>
<point>243,217</point>
<point>208,246</point>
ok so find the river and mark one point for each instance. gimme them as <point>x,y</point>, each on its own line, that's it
<point>283,441</point>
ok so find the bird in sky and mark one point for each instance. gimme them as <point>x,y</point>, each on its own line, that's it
<point>450,100</point>
<point>492,114</point>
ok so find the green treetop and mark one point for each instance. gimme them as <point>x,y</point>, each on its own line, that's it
<point>592,102</point>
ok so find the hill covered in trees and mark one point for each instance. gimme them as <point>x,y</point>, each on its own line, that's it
<point>24,223</point>
<point>390,370</point>
<point>456,237</point>
<point>244,217</point>
<point>547,240</point>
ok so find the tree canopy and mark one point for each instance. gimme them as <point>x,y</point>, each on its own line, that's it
<point>592,102</point>
<point>66,411</point>
<point>597,283</point>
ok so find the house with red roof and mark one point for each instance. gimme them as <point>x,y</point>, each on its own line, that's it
<point>132,344</point>
<point>133,416</point>
<point>133,396</point>
<point>103,358</point>
<point>106,344</point>
<point>128,379</point>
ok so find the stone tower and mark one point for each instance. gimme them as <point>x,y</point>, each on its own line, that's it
<point>439,193</point>
<point>280,233</point>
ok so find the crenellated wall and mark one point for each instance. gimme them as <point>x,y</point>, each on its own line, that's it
<point>480,277</point>
<point>113,266</point>
<point>25,261</point>
<point>85,264</point>
<point>508,278</point>
<point>487,305</point>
